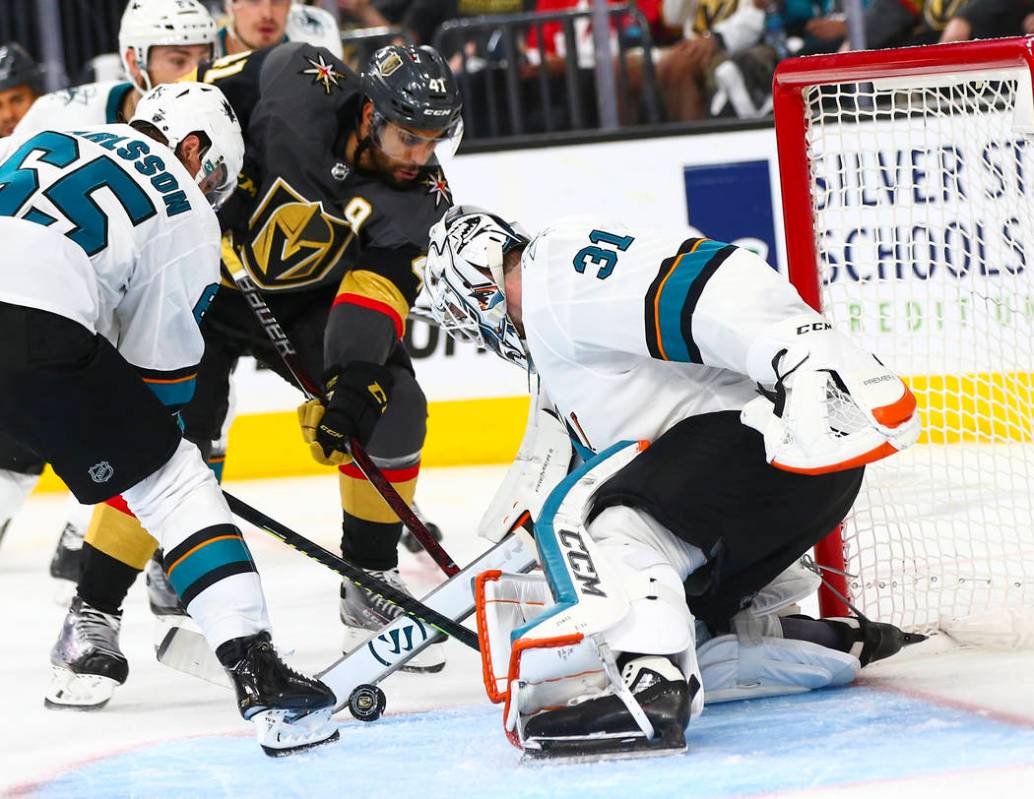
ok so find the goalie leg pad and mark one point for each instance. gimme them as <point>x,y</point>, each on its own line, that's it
<point>735,669</point>
<point>621,593</point>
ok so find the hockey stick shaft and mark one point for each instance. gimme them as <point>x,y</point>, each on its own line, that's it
<point>369,469</point>
<point>408,604</point>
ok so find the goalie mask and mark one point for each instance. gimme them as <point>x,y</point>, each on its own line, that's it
<point>180,109</point>
<point>465,279</point>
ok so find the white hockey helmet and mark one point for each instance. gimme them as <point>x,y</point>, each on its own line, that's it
<point>464,277</point>
<point>153,23</point>
<point>179,109</point>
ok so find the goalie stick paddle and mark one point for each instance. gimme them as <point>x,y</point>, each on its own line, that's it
<point>369,469</point>
<point>408,604</point>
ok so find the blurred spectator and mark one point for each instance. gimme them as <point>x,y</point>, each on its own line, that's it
<point>988,19</point>
<point>253,24</point>
<point>725,62</point>
<point>362,14</point>
<point>21,82</point>
<point>424,17</point>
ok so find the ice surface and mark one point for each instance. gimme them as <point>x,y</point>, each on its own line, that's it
<point>935,721</point>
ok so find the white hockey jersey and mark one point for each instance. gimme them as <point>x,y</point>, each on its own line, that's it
<point>632,331</point>
<point>151,238</point>
<point>76,108</point>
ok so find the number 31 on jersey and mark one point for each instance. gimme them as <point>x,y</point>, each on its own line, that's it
<point>603,258</point>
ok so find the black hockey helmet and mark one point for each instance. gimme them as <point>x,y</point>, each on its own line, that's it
<point>17,68</point>
<point>414,88</point>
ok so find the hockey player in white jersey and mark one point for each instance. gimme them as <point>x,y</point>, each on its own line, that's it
<point>159,41</point>
<point>670,567</point>
<point>111,257</point>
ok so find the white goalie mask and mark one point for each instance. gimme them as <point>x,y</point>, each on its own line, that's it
<point>465,279</point>
<point>180,109</point>
<point>154,23</point>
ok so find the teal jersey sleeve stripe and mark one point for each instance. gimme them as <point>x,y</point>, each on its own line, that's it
<point>673,294</point>
<point>173,395</point>
<point>552,559</point>
<point>209,557</point>
<point>115,97</point>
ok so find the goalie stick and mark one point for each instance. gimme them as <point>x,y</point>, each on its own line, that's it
<point>376,478</point>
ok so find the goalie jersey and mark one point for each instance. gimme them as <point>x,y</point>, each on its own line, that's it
<point>632,331</point>
<point>150,235</point>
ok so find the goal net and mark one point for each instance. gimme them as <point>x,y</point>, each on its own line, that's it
<point>908,193</point>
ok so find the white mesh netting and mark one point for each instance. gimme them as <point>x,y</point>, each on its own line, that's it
<point>923,225</point>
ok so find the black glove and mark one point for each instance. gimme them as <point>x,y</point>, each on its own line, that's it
<point>357,395</point>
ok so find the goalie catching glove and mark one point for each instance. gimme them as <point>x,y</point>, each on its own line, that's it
<point>832,406</point>
<point>357,396</point>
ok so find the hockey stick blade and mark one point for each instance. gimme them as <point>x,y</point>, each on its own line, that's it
<point>374,476</point>
<point>408,604</point>
<point>188,651</point>
<point>392,646</point>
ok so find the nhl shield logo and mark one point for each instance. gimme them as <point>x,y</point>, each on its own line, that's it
<point>101,472</point>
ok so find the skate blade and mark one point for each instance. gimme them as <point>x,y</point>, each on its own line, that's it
<point>280,733</point>
<point>430,661</point>
<point>603,746</point>
<point>82,692</point>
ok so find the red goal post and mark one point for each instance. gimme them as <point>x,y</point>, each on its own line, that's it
<point>853,101</point>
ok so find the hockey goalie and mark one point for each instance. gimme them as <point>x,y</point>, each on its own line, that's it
<point>720,428</point>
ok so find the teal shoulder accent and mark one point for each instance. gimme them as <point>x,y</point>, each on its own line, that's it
<point>115,98</point>
<point>673,293</point>
<point>552,559</point>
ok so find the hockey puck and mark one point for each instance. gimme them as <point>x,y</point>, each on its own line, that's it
<point>367,702</point>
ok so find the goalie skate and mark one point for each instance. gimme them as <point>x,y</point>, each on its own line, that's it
<point>87,664</point>
<point>608,726</point>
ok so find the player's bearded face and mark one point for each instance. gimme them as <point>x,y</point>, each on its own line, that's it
<point>400,154</point>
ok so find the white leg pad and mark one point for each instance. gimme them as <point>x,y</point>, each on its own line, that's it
<point>733,669</point>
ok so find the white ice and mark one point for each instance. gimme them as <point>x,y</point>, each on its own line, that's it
<point>934,721</point>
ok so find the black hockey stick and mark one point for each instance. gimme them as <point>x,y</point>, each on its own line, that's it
<point>408,604</point>
<point>369,469</point>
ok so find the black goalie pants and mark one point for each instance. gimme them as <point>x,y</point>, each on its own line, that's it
<point>706,480</point>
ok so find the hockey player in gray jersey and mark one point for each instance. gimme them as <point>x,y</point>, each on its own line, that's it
<point>758,418</point>
<point>111,259</point>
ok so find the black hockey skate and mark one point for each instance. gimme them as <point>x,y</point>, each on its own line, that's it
<point>3,530</point>
<point>66,562</point>
<point>291,712</point>
<point>603,726</point>
<point>872,640</point>
<point>87,664</point>
<point>410,542</point>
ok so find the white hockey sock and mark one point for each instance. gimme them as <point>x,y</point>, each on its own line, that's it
<point>206,558</point>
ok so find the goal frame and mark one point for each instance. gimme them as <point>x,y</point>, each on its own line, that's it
<point>792,77</point>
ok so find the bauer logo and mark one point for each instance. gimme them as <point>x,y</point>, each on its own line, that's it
<point>390,646</point>
<point>733,203</point>
<point>101,472</point>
